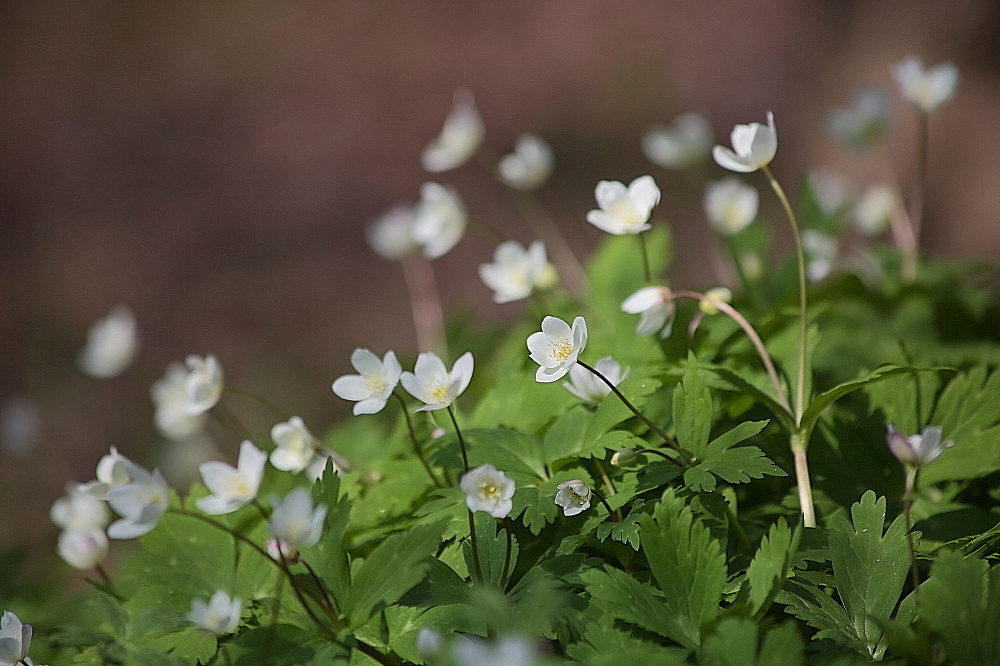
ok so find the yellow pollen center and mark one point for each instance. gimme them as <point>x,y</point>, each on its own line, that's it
<point>626,212</point>
<point>490,491</point>
<point>440,394</point>
<point>376,384</point>
<point>562,349</point>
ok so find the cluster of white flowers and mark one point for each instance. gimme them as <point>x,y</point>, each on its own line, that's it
<point>83,518</point>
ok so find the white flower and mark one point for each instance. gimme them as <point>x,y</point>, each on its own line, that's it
<point>624,210</point>
<point>730,205</point>
<point>487,489</point>
<point>516,272</point>
<point>15,639</point>
<point>925,89</point>
<point>556,347</point>
<point>140,503</point>
<point>111,344</point>
<point>295,522</point>
<point>573,496</point>
<point>511,650</point>
<point>82,548</point>
<point>429,642</point>
<point>20,425</point>
<point>529,166</point>
<point>585,385</point>
<point>754,146</point>
<point>439,220</point>
<point>373,384</point>
<point>916,450</point>
<point>79,509</point>
<point>460,137</point>
<point>432,384</point>
<point>876,209</point>
<point>170,399</point>
<point>113,471</point>
<point>296,446</point>
<point>829,189</point>
<point>656,305</point>
<point>219,616</point>
<point>391,235</point>
<point>203,384</point>
<point>232,487</point>
<point>684,144</point>
<point>821,251</point>
<point>861,125</point>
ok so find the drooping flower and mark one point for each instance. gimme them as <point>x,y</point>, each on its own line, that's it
<point>916,450</point>
<point>296,446</point>
<point>510,650</point>
<point>657,309</point>
<point>730,205</point>
<point>515,271</point>
<point>204,383</point>
<point>460,137</point>
<point>682,145</point>
<point>529,166</point>
<point>586,385</point>
<point>556,347</point>
<point>573,496</point>
<point>875,211</point>
<point>295,522</point>
<point>488,489</point>
<point>15,639</point>
<point>140,503</point>
<point>433,384</point>
<point>232,487</point>
<point>170,399</point>
<point>374,383</point>
<point>864,123</point>
<point>79,509</point>
<point>112,344</point>
<point>219,616</point>
<point>624,210</point>
<point>754,146</point>
<point>82,548</point>
<point>391,234</point>
<point>439,220</point>
<point>925,89</point>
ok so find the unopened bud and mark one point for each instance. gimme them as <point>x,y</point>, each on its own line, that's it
<point>623,457</point>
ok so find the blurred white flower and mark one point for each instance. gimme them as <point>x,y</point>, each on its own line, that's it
<point>296,446</point>
<point>79,509</point>
<point>170,400</point>
<point>113,471</point>
<point>20,424</point>
<point>926,89</point>
<point>515,271</point>
<point>657,309</point>
<point>510,650</point>
<point>573,496</point>
<point>585,385</point>
<point>754,146</point>
<point>432,384</point>
<point>391,234</point>
<point>821,252</point>
<point>219,616</point>
<point>439,220</point>
<point>624,210</point>
<point>112,344</point>
<point>730,205</point>
<point>374,383</point>
<point>917,450</point>
<point>232,487</point>
<point>684,144</point>
<point>140,503</point>
<point>460,137</point>
<point>488,489</point>
<point>82,548</point>
<point>429,642</point>
<point>556,347</point>
<point>295,522</point>
<point>830,190</point>
<point>204,383</point>
<point>875,211</point>
<point>864,123</point>
<point>529,166</point>
<point>15,639</point>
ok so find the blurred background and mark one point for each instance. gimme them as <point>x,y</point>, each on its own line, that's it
<point>213,165</point>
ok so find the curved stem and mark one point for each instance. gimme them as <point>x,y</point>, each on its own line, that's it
<point>414,442</point>
<point>461,440</point>
<point>612,513</point>
<point>474,541</point>
<point>574,275</point>
<point>911,477</point>
<point>260,400</point>
<point>646,272</point>
<point>508,527</point>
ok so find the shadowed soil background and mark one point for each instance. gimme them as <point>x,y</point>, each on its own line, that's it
<point>213,166</point>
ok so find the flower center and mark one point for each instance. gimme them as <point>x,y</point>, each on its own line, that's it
<point>440,394</point>
<point>375,384</point>
<point>562,349</point>
<point>626,213</point>
<point>490,491</point>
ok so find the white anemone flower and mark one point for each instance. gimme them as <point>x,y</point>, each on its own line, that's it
<point>79,509</point>
<point>917,450</point>
<point>373,384</point>
<point>295,445</point>
<point>822,251</point>
<point>433,384</point>
<point>657,309</point>
<point>556,347</point>
<point>574,497</point>
<point>516,271</point>
<point>439,220</point>
<point>488,489</point>
<point>925,89</point>
<point>232,487</point>
<point>730,205</point>
<point>864,123</point>
<point>754,146</point>
<point>204,383</point>
<point>391,234</point>
<point>219,616</point>
<point>460,137</point>
<point>624,210</point>
<point>82,548</point>
<point>685,143</point>
<point>510,650</point>
<point>112,344</point>
<point>113,471</point>
<point>15,639</point>
<point>585,385</point>
<point>875,211</point>
<point>140,503</point>
<point>170,400</point>
<point>529,166</point>
<point>295,522</point>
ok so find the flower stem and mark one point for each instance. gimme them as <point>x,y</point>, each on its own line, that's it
<point>541,223</point>
<point>612,513</point>
<point>643,251</point>
<point>657,452</point>
<point>260,400</point>
<point>461,440</point>
<point>508,527</point>
<point>799,443</point>
<point>911,478</point>
<point>425,303</point>
<point>414,441</point>
<point>473,540</point>
<point>912,249</point>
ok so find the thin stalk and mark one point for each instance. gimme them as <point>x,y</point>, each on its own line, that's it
<point>802,481</point>
<point>301,596</point>
<point>414,442</point>
<point>639,415</point>
<point>604,477</point>
<point>574,275</point>
<point>330,605</point>
<point>911,252</point>
<point>473,540</point>
<point>461,440</point>
<point>643,251</point>
<point>225,655</point>
<point>260,400</point>
<point>425,303</point>
<point>911,478</point>
<point>735,523</point>
<point>612,513</point>
<point>508,527</point>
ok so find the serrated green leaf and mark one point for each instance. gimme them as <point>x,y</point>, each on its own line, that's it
<point>692,409</point>
<point>735,641</point>
<point>969,415</point>
<point>626,531</point>
<point>621,596</point>
<point>747,388</point>
<point>740,433</point>
<point>770,566</point>
<point>637,388</point>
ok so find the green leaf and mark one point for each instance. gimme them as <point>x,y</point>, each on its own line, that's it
<point>692,405</point>
<point>566,436</point>
<point>745,387</point>
<point>740,433</point>
<point>688,564</point>
<point>770,566</point>
<point>621,596</point>
<point>615,270</point>
<point>735,643</point>
<point>637,388</point>
<point>517,454</point>
<point>969,414</point>
<point>492,549</point>
<point>626,531</point>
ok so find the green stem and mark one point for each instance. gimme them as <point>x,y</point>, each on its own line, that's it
<point>646,272</point>
<point>461,440</point>
<point>260,400</point>
<point>612,513</point>
<point>657,452</point>
<point>799,443</point>
<point>474,541</point>
<point>508,527</point>
<point>414,442</point>
<point>911,478</point>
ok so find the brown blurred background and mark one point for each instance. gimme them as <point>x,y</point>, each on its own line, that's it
<point>213,166</point>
